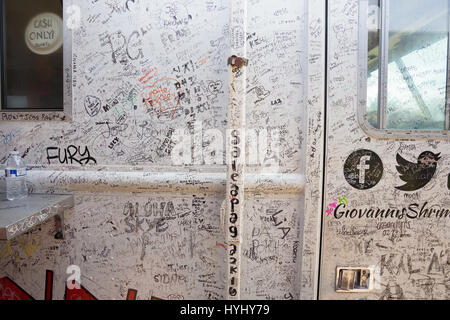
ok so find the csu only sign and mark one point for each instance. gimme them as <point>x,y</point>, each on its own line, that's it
<point>44,33</point>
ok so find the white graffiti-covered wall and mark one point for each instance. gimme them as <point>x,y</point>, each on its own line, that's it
<point>148,79</point>
<point>144,155</point>
<point>408,246</point>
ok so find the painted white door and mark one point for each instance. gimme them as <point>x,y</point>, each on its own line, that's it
<point>386,200</point>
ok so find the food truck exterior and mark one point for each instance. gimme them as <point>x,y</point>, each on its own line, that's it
<point>330,208</point>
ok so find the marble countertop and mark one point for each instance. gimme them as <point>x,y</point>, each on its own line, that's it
<point>19,216</point>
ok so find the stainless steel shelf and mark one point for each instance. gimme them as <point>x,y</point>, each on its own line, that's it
<point>20,216</point>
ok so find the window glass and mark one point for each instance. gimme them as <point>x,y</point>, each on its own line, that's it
<point>32,54</point>
<point>416,62</point>
<point>373,26</point>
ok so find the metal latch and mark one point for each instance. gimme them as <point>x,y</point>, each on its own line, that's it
<point>238,62</point>
<point>354,279</point>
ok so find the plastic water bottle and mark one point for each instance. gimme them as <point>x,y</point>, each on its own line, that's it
<point>16,177</point>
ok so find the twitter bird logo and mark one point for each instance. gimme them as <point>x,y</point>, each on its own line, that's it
<point>417,175</point>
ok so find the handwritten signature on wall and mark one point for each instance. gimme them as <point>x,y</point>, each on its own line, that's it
<point>9,137</point>
<point>27,246</point>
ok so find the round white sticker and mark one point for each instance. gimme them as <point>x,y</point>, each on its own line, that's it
<point>44,33</point>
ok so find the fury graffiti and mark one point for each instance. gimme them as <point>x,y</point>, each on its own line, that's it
<point>70,155</point>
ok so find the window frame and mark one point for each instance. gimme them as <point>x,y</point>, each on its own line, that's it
<point>382,81</point>
<point>28,114</point>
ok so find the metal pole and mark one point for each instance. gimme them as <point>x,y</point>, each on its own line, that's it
<point>236,147</point>
<point>383,64</point>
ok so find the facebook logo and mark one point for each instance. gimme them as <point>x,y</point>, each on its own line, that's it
<point>363,169</point>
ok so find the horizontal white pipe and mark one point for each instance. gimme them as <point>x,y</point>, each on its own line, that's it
<point>175,182</point>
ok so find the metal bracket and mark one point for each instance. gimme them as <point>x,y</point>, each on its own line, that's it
<point>20,216</point>
<point>59,226</point>
<point>238,62</point>
<point>59,219</point>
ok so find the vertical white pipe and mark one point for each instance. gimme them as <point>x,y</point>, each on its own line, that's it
<point>236,147</point>
<point>447,95</point>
